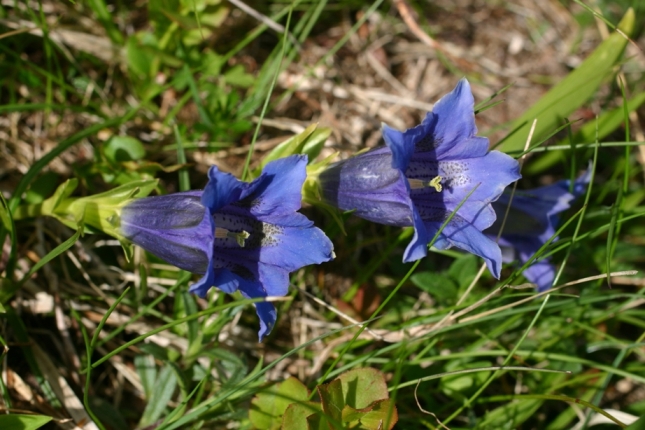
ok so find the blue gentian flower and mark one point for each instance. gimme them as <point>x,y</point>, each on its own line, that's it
<point>531,222</point>
<point>238,235</point>
<point>422,176</point>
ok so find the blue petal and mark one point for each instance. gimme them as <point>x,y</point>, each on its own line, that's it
<point>275,279</point>
<point>371,187</point>
<point>402,144</point>
<point>453,125</point>
<point>277,191</point>
<point>294,248</point>
<point>541,273</point>
<point>174,227</point>
<point>265,310</point>
<point>222,189</point>
<point>418,246</point>
<point>487,176</point>
<point>204,283</point>
<point>446,133</point>
<point>464,235</point>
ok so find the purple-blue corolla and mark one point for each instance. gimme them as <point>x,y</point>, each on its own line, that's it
<point>531,222</point>
<point>238,235</point>
<point>422,176</point>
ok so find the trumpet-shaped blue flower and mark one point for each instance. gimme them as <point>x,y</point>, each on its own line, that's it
<point>238,235</point>
<point>422,176</point>
<point>531,222</point>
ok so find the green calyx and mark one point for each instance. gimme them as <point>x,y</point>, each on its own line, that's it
<point>96,213</point>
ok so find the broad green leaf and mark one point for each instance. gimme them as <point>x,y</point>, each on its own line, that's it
<point>310,141</point>
<point>356,398</point>
<point>23,422</point>
<point>269,406</point>
<point>373,418</point>
<point>123,148</point>
<point>161,395</point>
<point>605,124</point>
<point>303,416</point>
<point>42,187</point>
<point>332,399</point>
<point>362,387</point>
<point>142,55</point>
<point>464,269</point>
<point>440,286</point>
<point>573,91</point>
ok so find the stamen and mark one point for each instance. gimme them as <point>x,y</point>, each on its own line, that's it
<point>436,183</point>
<point>222,233</point>
<point>417,184</point>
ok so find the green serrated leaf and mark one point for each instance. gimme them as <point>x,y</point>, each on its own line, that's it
<point>573,91</point>
<point>268,407</point>
<point>23,422</point>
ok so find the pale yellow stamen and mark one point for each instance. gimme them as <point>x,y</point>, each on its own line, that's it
<point>436,183</point>
<point>222,233</point>
<point>417,184</point>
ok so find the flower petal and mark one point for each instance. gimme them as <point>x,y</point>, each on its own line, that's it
<point>294,247</point>
<point>402,144</point>
<point>265,310</point>
<point>464,235</point>
<point>222,189</point>
<point>277,191</point>
<point>418,246</point>
<point>453,125</point>
<point>540,273</point>
<point>371,187</point>
<point>174,227</point>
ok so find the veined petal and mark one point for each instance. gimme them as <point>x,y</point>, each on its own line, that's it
<point>277,191</point>
<point>464,235</point>
<point>293,247</point>
<point>540,273</point>
<point>176,228</point>
<point>370,186</point>
<point>488,176</point>
<point>453,125</point>
<point>402,144</point>
<point>222,189</point>
<point>418,246</point>
<point>531,222</point>
<point>265,310</point>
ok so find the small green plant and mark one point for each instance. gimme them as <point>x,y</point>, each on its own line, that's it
<point>357,399</point>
